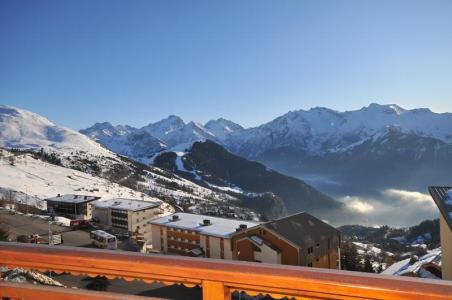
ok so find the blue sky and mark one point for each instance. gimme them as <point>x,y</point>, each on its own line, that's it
<point>134,62</point>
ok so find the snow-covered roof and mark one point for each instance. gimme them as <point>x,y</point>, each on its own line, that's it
<point>404,267</point>
<point>70,198</point>
<point>219,227</point>
<point>442,195</point>
<point>127,204</point>
<point>102,234</point>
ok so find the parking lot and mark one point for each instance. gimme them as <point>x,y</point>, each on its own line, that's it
<point>20,224</point>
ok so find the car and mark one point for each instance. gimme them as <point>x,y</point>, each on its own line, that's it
<point>80,224</point>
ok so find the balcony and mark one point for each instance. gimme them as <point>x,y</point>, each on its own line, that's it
<point>218,278</point>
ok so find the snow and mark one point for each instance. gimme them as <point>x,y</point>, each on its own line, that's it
<point>26,130</point>
<point>321,130</point>
<point>449,198</point>
<point>127,204</point>
<point>42,180</point>
<point>220,227</point>
<point>234,189</point>
<point>404,267</point>
<point>257,239</point>
<point>180,165</point>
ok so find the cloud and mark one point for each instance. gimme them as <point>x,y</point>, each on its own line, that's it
<point>358,205</point>
<point>409,196</point>
<point>392,207</point>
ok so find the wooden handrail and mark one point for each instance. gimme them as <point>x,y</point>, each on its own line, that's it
<point>12,290</point>
<point>219,278</point>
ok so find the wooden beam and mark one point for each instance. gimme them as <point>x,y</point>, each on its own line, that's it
<point>233,275</point>
<point>214,290</point>
<point>27,291</point>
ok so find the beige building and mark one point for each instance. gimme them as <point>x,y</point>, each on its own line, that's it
<point>443,199</point>
<point>127,215</point>
<point>196,235</point>
<point>298,239</point>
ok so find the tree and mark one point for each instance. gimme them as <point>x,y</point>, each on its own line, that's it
<point>368,265</point>
<point>349,256</point>
<point>4,233</point>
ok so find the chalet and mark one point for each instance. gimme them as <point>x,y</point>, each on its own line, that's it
<point>71,206</point>
<point>443,198</point>
<point>298,239</point>
<point>127,215</point>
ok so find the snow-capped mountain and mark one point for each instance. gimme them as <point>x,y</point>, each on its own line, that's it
<point>164,127</point>
<point>137,144</point>
<point>171,133</point>
<point>40,158</point>
<point>354,151</point>
<point>222,128</point>
<point>319,131</point>
<point>26,130</point>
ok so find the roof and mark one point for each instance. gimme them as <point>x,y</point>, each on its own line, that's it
<point>127,204</point>
<point>404,267</point>
<point>102,233</point>
<point>219,227</point>
<point>302,229</point>
<point>71,198</point>
<point>442,195</point>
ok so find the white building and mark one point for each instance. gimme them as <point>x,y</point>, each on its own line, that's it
<point>127,215</point>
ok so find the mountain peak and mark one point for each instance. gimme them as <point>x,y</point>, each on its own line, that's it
<point>384,108</point>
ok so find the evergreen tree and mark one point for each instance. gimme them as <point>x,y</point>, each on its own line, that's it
<point>368,265</point>
<point>349,256</point>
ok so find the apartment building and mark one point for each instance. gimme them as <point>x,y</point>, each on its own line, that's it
<point>196,235</point>
<point>442,195</point>
<point>127,215</point>
<point>298,239</point>
<point>71,206</point>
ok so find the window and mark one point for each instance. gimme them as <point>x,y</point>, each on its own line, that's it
<point>310,250</point>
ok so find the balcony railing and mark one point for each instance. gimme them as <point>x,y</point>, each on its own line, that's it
<point>218,278</point>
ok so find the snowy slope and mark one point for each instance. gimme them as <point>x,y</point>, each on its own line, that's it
<point>26,130</point>
<point>42,180</point>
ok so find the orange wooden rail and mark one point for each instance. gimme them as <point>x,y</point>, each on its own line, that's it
<point>32,291</point>
<point>219,278</point>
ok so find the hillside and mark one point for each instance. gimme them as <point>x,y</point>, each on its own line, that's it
<point>210,163</point>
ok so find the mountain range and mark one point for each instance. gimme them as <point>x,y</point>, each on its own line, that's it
<point>360,153</point>
<point>185,180</point>
<point>336,151</point>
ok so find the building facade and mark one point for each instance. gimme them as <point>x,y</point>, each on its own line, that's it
<point>195,235</point>
<point>71,206</point>
<point>299,239</point>
<point>443,199</point>
<point>127,215</point>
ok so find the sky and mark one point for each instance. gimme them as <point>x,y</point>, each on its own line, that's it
<point>135,62</point>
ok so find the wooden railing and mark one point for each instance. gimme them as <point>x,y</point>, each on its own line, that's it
<point>218,278</point>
